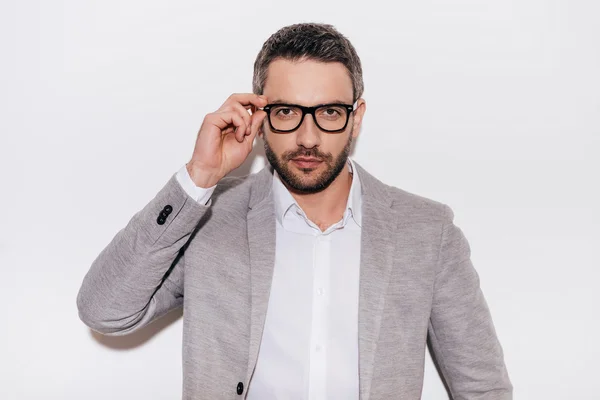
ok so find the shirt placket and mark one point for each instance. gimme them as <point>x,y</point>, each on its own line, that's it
<point>319,328</point>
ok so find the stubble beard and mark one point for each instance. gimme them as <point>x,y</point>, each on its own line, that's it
<point>294,180</point>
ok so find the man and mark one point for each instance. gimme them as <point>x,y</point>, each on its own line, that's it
<point>310,279</point>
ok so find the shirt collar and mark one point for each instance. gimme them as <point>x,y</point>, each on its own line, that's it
<point>284,201</point>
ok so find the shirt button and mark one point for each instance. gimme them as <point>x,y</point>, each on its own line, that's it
<point>320,291</point>
<point>318,347</point>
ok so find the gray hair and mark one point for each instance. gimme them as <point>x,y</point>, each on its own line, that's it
<point>313,41</point>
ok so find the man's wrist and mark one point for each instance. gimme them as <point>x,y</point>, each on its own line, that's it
<point>200,177</point>
<point>199,194</point>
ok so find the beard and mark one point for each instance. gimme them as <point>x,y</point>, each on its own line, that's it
<point>296,181</point>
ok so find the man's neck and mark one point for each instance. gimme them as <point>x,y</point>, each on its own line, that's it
<point>327,207</point>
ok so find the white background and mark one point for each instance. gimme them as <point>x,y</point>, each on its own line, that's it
<point>491,107</point>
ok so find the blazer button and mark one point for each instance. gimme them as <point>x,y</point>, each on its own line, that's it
<point>160,220</point>
<point>164,214</point>
<point>240,388</point>
<point>168,209</point>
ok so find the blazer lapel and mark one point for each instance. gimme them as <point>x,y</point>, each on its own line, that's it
<point>377,246</point>
<point>261,242</point>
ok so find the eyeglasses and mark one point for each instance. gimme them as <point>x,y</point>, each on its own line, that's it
<point>331,118</point>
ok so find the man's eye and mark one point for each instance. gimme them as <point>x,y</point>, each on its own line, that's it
<point>284,112</point>
<point>331,112</point>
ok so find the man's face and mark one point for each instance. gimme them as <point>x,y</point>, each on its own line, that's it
<point>309,83</point>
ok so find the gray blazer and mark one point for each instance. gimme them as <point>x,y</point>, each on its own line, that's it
<point>216,260</point>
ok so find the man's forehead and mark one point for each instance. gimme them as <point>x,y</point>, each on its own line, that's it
<point>308,82</point>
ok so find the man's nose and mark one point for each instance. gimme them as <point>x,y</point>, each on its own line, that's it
<point>308,134</point>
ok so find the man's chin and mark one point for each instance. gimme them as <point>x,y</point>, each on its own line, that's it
<point>303,181</point>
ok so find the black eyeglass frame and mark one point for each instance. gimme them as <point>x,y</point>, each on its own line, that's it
<point>310,110</point>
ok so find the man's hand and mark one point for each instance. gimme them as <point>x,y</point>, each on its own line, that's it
<point>225,138</point>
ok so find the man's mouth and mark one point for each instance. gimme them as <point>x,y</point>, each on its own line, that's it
<point>306,162</point>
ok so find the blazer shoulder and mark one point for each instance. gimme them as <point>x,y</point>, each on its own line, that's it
<point>409,207</point>
<point>415,207</point>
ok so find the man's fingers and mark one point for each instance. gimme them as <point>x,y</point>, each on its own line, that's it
<point>244,114</point>
<point>226,119</point>
<point>234,112</point>
<point>247,100</point>
<point>257,119</point>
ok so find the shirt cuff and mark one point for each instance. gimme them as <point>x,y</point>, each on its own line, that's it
<point>201,195</point>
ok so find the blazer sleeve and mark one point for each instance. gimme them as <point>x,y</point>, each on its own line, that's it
<point>138,276</point>
<point>461,331</point>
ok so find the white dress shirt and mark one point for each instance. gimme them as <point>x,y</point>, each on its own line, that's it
<point>309,347</point>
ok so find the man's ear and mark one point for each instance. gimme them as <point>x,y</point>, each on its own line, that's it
<point>359,112</point>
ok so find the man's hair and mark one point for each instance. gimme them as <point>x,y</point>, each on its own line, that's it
<point>313,41</point>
